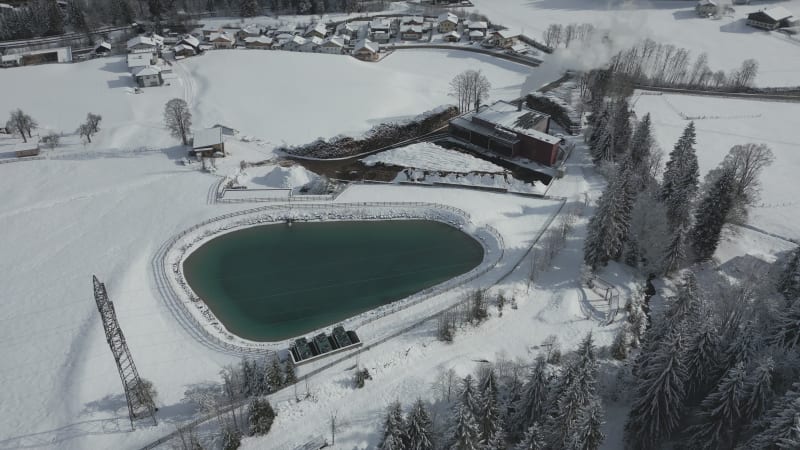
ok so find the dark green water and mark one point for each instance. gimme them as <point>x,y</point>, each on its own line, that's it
<point>275,282</point>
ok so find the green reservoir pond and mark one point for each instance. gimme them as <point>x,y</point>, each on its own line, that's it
<point>274,282</point>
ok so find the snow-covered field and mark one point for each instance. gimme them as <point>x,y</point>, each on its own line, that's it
<point>428,156</point>
<point>722,123</point>
<point>727,41</point>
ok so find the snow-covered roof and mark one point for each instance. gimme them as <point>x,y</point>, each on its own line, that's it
<point>412,19</point>
<point>478,25</point>
<point>284,38</point>
<point>706,3</point>
<point>507,34</point>
<point>379,24</point>
<point>157,39</point>
<point>411,28</point>
<point>299,40</point>
<point>139,59</point>
<point>182,47</point>
<point>506,115</point>
<point>220,36</point>
<point>190,40</point>
<point>319,27</point>
<point>334,41</point>
<point>147,70</point>
<point>104,45</point>
<point>366,44</point>
<point>453,34</point>
<point>476,33</point>
<point>288,28</point>
<point>448,17</point>
<point>519,48</point>
<point>777,13</point>
<point>207,138</point>
<point>141,40</point>
<point>258,39</point>
<point>314,41</point>
<point>250,29</point>
<point>6,58</point>
<point>211,27</point>
<point>348,26</point>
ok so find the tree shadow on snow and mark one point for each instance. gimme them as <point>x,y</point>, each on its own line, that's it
<point>109,403</point>
<point>685,14</point>
<point>56,436</point>
<point>123,81</point>
<point>739,26</point>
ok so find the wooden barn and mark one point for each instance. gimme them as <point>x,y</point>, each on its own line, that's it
<point>208,143</point>
<point>770,19</point>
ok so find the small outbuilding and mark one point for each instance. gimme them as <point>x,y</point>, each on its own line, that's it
<point>316,30</point>
<point>452,36</point>
<point>208,143</point>
<point>183,50</point>
<point>770,19</point>
<point>148,76</point>
<point>706,8</point>
<point>221,40</point>
<point>103,48</point>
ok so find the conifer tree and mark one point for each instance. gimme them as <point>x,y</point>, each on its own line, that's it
<point>681,178</point>
<point>742,347</point>
<point>261,416</point>
<point>394,428</point>
<point>702,360</point>
<point>675,253</point>
<point>76,17</point>
<point>621,129</point>
<point>758,390</point>
<point>468,396</point>
<point>533,440</point>
<point>418,428</point>
<point>641,147</point>
<point>659,397</point>
<point>289,372</point>
<point>685,308</point>
<point>789,281</point>
<point>587,434</point>
<point>600,139</point>
<point>464,435</point>
<point>786,331</point>
<point>55,21</point>
<point>619,347</point>
<point>609,227</point>
<point>497,441</point>
<point>488,408</point>
<point>779,425</point>
<point>274,374</point>
<point>720,413</point>
<point>711,216</point>
<point>532,402</point>
<point>248,8</point>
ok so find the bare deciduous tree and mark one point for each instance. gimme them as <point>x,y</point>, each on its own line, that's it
<point>21,123</point>
<point>747,162</point>
<point>470,87</point>
<point>570,33</point>
<point>552,35</point>
<point>178,119</point>
<point>90,127</point>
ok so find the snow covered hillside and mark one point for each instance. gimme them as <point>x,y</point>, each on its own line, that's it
<point>727,41</point>
<point>428,156</point>
<point>722,123</point>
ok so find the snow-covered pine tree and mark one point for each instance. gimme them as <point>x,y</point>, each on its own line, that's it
<point>488,417</point>
<point>468,397</point>
<point>786,330</point>
<point>600,139</point>
<point>621,128</point>
<point>248,377</point>
<point>778,425</point>
<point>758,390</point>
<point>681,178</point>
<point>464,434</point>
<point>532,402</point>
<point>261,416</point>
<point>742,347</point>
<point>609,227</point>
<point>675,253</point>
<point>686,307</point>
<point>248,8</point>
<point>789,281</point>
<point>702,360</point>
<point>711,216</point>
<point>394,428</point>
<point>418,428</point>
<point>659,396</point>
<point>619,347</point>
<point>641,149</point>
<point>274,374</point>
<point>76,17</point>
<point>55,19</point>
<point>586,434</point>
<point>720,413</point>
<point>632,255</point>
<point>289,372</point>
<point>498,441</point>
<point>533,440</point>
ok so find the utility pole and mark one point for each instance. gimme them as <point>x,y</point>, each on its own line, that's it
<point>140,403</point>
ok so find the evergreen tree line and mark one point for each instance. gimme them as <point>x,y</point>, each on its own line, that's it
<point>659,64</point>
<point>502,407</point>
<point>659,225</point>
<point>38,18</point>
<point>719,368</point>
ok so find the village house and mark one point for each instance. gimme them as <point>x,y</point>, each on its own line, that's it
<point>478,26</point>
<point>190,41</point>
<point>137,60</point>
<point>295,44</point>
<point>476,35</point>
<point>258,42</point>
<point>380,37</point>
<point>448,22</point>
<point>221,40</point>
<point>288,28</point>
<point>208,143</point>
<point>23,149</point>
<point>10,60</point>
<point>208,30</point>
<point>380,25</point>
<point>159,40</point>
<point>183,51</point>
<point>412,20</point>
<point>505,38</point>
<point>333,45</point>
<point>316,30</point>
<point>148,76</point>
<point>348,29</point>
<point>452,36</point>
<point>706,8</point>
<point>141,44</point>
<point>410,32</point>
<point>770,19</point>
<point>282,39</point>
<point>249,31</point>
<point>311,44</point>
<point>366,50</point>
<point>513,131</point>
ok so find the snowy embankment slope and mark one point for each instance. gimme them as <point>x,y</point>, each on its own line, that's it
<point>727,41</point>
<point>722,123</point>
<point>294,98</point>
<point>428,156</point>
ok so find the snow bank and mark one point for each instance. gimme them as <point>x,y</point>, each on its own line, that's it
<point>293,177</point>
<point>504,181</point>
<point>429,156</point>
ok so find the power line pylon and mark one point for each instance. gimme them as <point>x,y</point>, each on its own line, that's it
<point>140,403</point>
